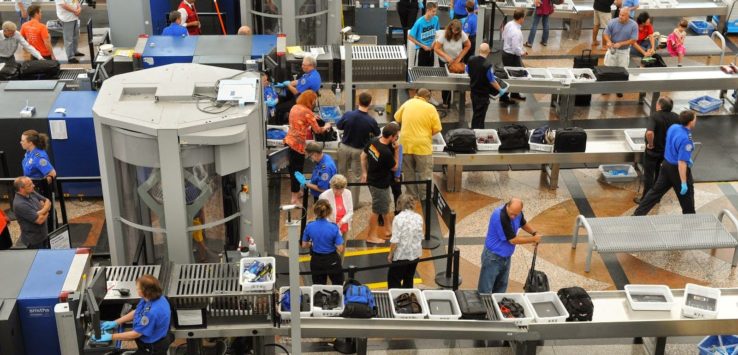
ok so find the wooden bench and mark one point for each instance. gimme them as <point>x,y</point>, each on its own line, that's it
<point>656,233</point>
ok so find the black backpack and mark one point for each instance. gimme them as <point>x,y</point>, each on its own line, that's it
<point>537,281</point>
<point>461,140</point>
<point>514,136</point>
<point>470,304</point>
<point>540,135</point>
<point>605,73</point>
<point>10,71</point>
<point>40,69</point>
<point>328,136</point>
<point>570,140</point>
<point>578,303</point>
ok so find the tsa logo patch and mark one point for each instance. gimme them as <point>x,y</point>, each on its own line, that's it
<point>144,321</point>
<point>303,81</point>
<point>324,177</point>
<point>688,147</point>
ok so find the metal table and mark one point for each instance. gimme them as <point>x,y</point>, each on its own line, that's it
<point>603,146</point>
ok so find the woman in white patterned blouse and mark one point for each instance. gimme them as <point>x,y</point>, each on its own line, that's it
<point>407,233</point>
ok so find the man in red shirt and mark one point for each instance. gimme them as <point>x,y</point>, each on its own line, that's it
<point>36,33</point>
<point>189,17</point>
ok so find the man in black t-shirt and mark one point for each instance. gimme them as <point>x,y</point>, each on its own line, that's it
<point>602,15</point>
<point>378,164</point>
<point>662,119</point>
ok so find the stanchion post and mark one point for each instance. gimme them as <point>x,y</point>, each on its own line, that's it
<point>352,272</point>
<point>456,273</point>
<point>303,220</point>
<point>428,243</point>
<point>450,278</point>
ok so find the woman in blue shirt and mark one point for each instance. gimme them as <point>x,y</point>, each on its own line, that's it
<point>150,319</point>
<point>325,242</point>
<point>36,163</point>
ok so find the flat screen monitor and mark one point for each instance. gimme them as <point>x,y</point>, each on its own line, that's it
<point>98,286</point>
<point>93,310</point>
<point>59,238</point>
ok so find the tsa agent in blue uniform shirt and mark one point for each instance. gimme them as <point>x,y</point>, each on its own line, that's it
<point>175,27</point>
<point>325,242</point>
<point>458,9</point>
<point>308,81</point>
<point>499,245</point>
<point>676,169</point>
<point>423,33</point>
<point>151,320</point>
<point>270,96</point>
<point>323,171</point>
<point>36,163</point>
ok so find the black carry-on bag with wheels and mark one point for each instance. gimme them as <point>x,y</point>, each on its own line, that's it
<point>537,281</point>
<point>585,60</point>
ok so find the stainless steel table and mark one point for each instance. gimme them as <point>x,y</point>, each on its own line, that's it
<point>603,145</point>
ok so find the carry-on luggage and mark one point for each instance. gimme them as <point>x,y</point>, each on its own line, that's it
<point>10,71</point>
<point>585,60</point>
<point>40,69</point>
<point>514,136</point>
<point>578,303</point>
<point>537,281</point>
<point>605,73</point>
<point>570,140</point>
<point>654,61</point>
<point>470,304</point>
<point>461,140</point>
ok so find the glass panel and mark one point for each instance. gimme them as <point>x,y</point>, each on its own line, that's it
<point>267,25</point>
<point>311,30</point>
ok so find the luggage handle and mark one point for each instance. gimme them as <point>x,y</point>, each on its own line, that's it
<point>535,256</point>
<point>589,53</point>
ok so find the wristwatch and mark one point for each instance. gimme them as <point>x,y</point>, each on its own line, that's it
<point>534,233</point>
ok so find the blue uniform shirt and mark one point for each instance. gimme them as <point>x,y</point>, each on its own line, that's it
<point>175,30</point>
<point>470,25</point>
<point>322,174</point>
<point>424,31</point>
<point>151,319</point>
<point>36,164</point>
<point>270,94</point>
<point>309,81</point>
<point>679,145</point>
<point>324,234</point>
<point>497,240</point>
<point>460,7</point>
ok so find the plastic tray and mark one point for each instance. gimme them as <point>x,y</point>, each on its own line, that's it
<point>257,286</point>
<point>713,343</point>
<point>559,314</point>
<point>539,147</point>
<point>508,69</point>
<point>330,113</point>
<point>438,144</point>
<point>636,139</point>
<point>394,292</point>
<point>579,71</point>
<point>485,133</point>
<point>701,291</point>
<point>276,142</point>
<point>610,172</point>
<point>705,104</point>
<point>320,312</point>
<point>456,75</point>
<point>305,290</point>
<point>561,74</point>
<point>448,295</point>
<point>701,27</point>
<point>539,73</point>
<point>519,298</point>
<point>642,290</point>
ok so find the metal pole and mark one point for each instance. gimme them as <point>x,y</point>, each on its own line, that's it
<point>293,233</point>
<point>348,78</point>
<point>428,243</point>
<point>456,274</point>
<point>303,220</point>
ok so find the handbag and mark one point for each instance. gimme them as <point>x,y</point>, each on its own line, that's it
<point>537,281</point>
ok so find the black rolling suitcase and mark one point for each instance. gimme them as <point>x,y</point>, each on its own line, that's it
<point>471,305</point>
<point>570,140</point>
<point>605,73</point>
<point>39,70</point>
<point>585,60</point>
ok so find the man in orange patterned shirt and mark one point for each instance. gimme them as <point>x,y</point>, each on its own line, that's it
<point>36,33</point>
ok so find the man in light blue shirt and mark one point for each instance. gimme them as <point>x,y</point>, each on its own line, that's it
<point>21,8</point>
<point>620,34</point>
<point>175,27</point>
<point>423,33</point>
<point>632,5</point>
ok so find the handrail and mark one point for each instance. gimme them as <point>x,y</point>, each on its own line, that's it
<point>581,221</point>
<point>733,220</point>
<point>722,44</point>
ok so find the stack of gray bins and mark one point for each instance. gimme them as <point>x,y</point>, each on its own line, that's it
<point>376,63</point>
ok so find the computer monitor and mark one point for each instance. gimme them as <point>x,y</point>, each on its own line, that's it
<point>98,286</point>
<point>59,238</point>
<point>93,309</point>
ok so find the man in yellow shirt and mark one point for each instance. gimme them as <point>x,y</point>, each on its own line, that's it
<point>419,121</point>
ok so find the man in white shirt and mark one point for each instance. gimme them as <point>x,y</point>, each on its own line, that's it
<point>9,44</point>
<point>68,13</point>
<point>512,44</point>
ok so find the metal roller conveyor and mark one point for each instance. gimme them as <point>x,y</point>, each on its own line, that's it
<point>376,63</point>
<point>417,73</point>
<point>124,277</point>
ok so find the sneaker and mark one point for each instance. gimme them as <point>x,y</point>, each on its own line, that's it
<point>544,44</point>
<point>527,45</point>
<point>79,54</point>
<point>620,94</point>
<point>73,61</point>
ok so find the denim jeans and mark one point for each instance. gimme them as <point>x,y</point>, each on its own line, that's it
<point>534,27</point>
<point>645,44</point>
<point>494,274</point>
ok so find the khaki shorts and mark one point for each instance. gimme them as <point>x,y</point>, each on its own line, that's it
<point>601,19</point>
<point>380,200</point>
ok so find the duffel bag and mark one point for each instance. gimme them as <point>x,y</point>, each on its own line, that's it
<point>570,140</point>
<point>40,69</point>
<point>514,136</point>
<point>10,71</point>
<point>605,73</point>
<point>461,140</point>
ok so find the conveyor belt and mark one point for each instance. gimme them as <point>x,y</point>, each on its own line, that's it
<point>416,73</point>
<point>125,277</point>
<point>384,307</point>
<point>70,74</point>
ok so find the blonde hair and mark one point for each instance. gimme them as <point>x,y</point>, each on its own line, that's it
<point>8,25</point>
<point>338,181</point>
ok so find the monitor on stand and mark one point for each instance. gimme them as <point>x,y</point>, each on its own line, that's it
<point>93,309</point>
<point>97,288</point>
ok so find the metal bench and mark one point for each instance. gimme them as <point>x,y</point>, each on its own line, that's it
<point>656,233</point>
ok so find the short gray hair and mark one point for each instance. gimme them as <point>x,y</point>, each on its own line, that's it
<point>20,181</point>
<point>9,25</point>
<point>406,202</point>
<point>310,60</point>
<point>338,181</point>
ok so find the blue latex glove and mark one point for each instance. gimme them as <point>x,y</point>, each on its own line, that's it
<point>684,189</point>
<point>502,92</point>
<point>271,102</point>
<point>451,13</point>
<point>278,85</point>
<point>690,162</point>
<point>104,338</point>
<point>420,4</point>
<point>286,83</point>
<point>109,325</point>
<point>300,178</point>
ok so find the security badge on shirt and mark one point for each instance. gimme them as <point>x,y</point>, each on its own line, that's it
<point>144,321</point>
